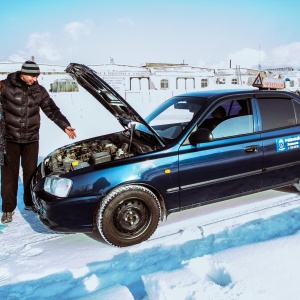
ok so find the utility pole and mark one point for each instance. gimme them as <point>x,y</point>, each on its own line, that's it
<point>259,66</point>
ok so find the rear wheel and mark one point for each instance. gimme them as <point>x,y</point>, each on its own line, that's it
<point>128,215</point>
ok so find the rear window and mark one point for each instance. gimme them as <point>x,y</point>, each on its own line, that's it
<point>297,110</point>
<point>276,113</point>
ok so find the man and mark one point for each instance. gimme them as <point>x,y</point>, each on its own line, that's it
<point>2,129</point>
<point>22,98</point>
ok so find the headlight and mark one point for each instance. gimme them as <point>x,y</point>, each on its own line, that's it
<point>58,186</point>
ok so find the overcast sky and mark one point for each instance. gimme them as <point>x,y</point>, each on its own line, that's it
<point>206,33</point>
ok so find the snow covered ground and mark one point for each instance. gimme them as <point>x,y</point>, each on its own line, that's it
<point>244,248</point>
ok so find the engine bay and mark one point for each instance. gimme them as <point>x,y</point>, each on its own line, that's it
<point>94,151</point>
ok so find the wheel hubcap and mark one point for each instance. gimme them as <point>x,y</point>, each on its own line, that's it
<point>131,217</point>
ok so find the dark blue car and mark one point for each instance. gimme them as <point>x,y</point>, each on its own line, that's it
<point>194,149</point>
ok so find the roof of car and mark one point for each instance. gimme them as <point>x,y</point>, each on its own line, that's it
<point>225,92</point>
<point>210,93</point>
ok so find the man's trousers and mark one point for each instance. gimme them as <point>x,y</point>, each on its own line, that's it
<point>28,154</point>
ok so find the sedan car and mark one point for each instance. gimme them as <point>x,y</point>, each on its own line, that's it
<point>194,149</point>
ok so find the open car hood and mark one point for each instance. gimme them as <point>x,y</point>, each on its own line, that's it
<point>107,96</point>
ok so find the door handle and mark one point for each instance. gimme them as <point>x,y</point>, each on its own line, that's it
<point>251,149</point>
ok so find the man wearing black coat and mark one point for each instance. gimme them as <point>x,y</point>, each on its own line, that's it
<point>2,129</point>
<point>22,98</point>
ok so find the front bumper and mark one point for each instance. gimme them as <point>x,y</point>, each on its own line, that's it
<point>63,214</point>
<point>67,215</point>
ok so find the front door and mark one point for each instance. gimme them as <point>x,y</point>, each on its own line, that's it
<point>230,165</point>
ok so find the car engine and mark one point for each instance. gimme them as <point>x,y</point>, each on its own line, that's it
<point>94,151</point>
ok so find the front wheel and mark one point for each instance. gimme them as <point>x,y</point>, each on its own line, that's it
<point>128,215</point>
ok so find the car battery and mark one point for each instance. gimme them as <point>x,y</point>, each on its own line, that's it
<point>67,162</point>
<point>75,165</point>
<point>100,157</point>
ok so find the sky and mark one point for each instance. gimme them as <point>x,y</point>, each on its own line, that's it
<point>214,34</point>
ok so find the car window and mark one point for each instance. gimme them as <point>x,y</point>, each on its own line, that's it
<point>297,110</point>
<point>231,118</point>
<point>170,119</point>
<point>235,126</point>
<point>173,115</point>
<point>276,112</point>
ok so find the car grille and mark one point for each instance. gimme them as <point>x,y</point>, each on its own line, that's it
<point>38,175</point>
<point>35,199</point>
<point>38,204</point>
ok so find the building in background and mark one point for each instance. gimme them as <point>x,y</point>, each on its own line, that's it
<point>156,82</point>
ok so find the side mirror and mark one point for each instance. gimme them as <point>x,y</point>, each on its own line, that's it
<point>201,135</point>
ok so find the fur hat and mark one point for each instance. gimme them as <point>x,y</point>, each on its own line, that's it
<point>30,68</point>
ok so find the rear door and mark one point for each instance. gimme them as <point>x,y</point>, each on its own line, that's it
<point>228,166</point>
<point>281,138</point>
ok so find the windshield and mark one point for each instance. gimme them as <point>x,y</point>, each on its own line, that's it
<point>170,118</point>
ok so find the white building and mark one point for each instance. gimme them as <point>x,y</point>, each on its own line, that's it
<point>157,82</point>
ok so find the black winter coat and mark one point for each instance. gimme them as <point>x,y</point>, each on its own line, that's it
<point>21,105</point>
<point>2,131</point>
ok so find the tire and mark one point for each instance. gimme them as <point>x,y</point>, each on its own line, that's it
<point>128,215</point>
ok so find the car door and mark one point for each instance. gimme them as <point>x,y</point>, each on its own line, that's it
<point>230,165</point>
<point>280,137</point>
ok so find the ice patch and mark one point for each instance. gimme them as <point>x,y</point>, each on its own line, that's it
<point>116,291</point>
<point>91,282</point>
<point>176,284</point>
<point>29,252</point>
<point>2,227</point>
<point>37,275</point>
<point>219,275</point>
<point>213,271</point>
<point>79,272</point>
<point>4,275</point>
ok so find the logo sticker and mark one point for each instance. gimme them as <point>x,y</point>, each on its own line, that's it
<point>289,143</point>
